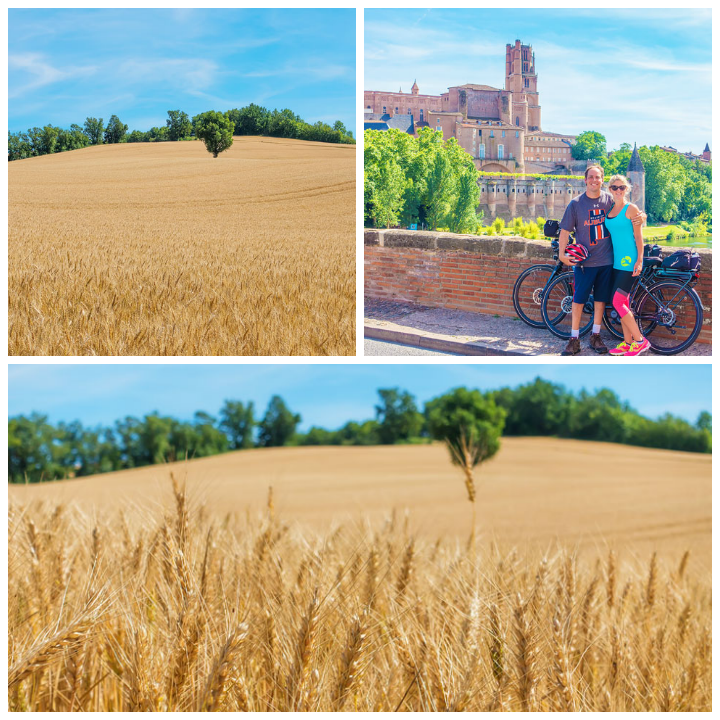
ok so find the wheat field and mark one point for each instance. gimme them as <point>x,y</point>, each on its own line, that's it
<point>172,604</point>
<point>159,249</point>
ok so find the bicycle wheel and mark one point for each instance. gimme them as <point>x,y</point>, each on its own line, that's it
<point>557,308</point>
<point>611,321</point>
<point>528,293</point>
<point>670,314</point>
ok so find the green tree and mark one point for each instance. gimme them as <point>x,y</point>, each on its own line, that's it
<point>664,184</point>
<point>468,416</point>
<point>278,424</point>
<point>397,416</point>
<point>704,421</point>
<point>115,131</point>
<point>178,124</point>
<point>93,128</point>
<point>237,420</point>
<point>72,139</point>
<point>590,145</point>
<point>215,129</point>
<point>537,408</point>
<point>49,140</point>
<point>19,146</point>
<point>470,424</point>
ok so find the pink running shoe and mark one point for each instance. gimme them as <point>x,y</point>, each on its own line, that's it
<point>621,349</point>
<point>638,347</point>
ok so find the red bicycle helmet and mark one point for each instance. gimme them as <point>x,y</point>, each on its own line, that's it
<point>576,252</point>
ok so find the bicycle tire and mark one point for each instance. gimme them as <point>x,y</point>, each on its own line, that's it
<point>557,308</point>
<point>527,294</point>
<point>656,325</point>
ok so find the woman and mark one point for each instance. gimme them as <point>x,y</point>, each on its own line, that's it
<point>627,242</point>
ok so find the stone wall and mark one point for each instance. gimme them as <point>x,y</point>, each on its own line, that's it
<point>528,198</point>
<point>467,272</point>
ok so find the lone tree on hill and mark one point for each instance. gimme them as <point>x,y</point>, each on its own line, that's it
<point>471,425</point>
<point>215,129</point>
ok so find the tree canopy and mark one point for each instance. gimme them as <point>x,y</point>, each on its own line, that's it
<point>39,450</point>
<point>215,130</point>
<point>589,145</point>
<point>250,120</point>
<point>419,180</point>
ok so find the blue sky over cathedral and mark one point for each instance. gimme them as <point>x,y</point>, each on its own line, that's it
<point>634,75</point>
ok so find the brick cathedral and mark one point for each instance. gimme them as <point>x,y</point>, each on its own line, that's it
<point>500,128</point>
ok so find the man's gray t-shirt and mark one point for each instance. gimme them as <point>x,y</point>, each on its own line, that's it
<point>586,218</point>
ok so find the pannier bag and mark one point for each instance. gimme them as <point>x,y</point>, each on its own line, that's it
<point>552,228</point>
<point>682,260</point>
<point>652,251</point>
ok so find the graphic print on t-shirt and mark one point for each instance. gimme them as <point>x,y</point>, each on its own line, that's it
<point>596,225</point>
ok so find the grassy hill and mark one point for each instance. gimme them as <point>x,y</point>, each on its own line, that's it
<point>159,249</point>
<point>534,491</point>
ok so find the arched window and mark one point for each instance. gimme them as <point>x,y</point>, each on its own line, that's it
<point>517,120</point>
<point>501,152</point>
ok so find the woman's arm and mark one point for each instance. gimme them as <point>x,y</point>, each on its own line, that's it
<point>633,212</point>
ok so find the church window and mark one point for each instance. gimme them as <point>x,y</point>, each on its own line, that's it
<point>421,115</point>
<point>517,120</point>
<point>501,152</point>
<point>492,133</point>
<point>481,151</point>
<point>511,157</point>
<point>503,133</point>
<point>384,110</point>
<point>396,111</point>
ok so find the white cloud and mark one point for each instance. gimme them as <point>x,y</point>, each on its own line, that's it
<point>40,72</point>
<point>190,74</point>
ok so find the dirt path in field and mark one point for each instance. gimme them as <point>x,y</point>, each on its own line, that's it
<point>535,491</point>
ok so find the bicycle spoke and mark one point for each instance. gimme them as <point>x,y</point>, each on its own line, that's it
<point>670,315</point>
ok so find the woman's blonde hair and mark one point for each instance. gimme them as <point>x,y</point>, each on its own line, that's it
<point>623,180</point>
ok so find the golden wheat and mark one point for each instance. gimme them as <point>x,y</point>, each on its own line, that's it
<point>159,249</point>
<point>180,610</point>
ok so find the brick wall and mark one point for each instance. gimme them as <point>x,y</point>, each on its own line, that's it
<point>470,273</point>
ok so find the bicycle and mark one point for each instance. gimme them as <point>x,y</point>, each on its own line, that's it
<point>664,302</point>
<point>666,306</point>
<point>532,284</point>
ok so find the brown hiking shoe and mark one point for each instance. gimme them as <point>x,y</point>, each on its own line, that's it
<point>597,344</point>
<point>572,348</point>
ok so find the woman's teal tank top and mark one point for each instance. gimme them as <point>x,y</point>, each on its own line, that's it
<point>625,252</point>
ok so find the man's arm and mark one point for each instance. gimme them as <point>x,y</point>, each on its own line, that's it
<point>564,237</point>
<point>640,219</point>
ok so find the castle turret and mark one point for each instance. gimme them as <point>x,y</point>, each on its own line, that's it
<point>414,89</point>
<point>636,176</point>
<point>707,155</point>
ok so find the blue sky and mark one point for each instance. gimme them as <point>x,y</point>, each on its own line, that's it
<point>634,75</point>
<point>66,65</point>
<point>325,395</point>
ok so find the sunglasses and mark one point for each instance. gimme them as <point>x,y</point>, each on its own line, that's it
<point>618,187</point>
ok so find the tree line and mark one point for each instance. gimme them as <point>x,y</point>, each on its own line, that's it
<point>676,188</point>
<point>422,180</point>
<point>40,451</point>
<point>250,120</point>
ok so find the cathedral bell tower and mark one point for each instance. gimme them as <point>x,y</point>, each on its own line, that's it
<point>521,82</point>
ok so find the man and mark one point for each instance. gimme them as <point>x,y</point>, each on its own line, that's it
<point>585,216</point>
